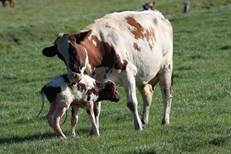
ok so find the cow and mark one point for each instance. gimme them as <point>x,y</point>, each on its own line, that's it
<point>11,2</point>
<point>149,5</point>
<point>85,92</point>
<point>132,47</point>
<point>186,6</point>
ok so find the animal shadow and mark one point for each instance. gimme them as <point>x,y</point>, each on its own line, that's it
<point>220,140</point>
<point>19,139</point>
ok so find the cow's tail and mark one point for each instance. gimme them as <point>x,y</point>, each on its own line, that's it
<point>42,100</point>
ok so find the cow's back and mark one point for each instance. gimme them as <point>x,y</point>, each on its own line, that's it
<point>142,38</point>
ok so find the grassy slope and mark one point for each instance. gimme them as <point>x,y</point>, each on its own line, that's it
<point>200,114</point>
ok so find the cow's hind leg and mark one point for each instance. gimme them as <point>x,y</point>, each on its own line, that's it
<point>166,89</point>
<point>146,92</point>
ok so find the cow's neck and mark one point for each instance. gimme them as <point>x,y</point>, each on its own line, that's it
<point>100,54</point>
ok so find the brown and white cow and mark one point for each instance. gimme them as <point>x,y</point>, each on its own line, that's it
<point>11,2</point>
<point>149,5</point>
<point>133,47</point>
<point>86,92</point>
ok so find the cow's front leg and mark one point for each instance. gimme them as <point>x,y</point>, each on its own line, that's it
<point>74,119</point>
<point>90,111</point>
<point>129,81</point>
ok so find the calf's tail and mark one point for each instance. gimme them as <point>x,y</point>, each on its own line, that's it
<point>42,100</point>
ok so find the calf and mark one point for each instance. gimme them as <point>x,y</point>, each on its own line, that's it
<point>85,92</point>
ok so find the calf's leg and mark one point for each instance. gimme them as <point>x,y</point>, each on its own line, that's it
<point>50,115</point>
<point>90,111</point>
<point>74,119</point>
<point>97,109</point>
<point>58,114</point>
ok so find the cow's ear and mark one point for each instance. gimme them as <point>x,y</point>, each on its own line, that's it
<point>81,35</point>
<point>50,51</point>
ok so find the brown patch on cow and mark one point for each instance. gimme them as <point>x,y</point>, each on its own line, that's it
<point>140,33</point>
<point>81,87</point>
<point>95,50</point>
<point>107,26</point>
<point>99,53</point>
<point>91,91</point>
<point>150,36</point>
<point>102,54</point>
<point>135,45</point>
<point>137,30</point>
<point>77,54</point>
<point>119,64</point>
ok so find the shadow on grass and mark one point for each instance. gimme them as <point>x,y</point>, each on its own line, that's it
<point>19,139</point>
<point>220,140</point>
<point>144,151</point>
<point>226,47</point>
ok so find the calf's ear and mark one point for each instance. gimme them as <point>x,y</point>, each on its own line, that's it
<point>49,51</point>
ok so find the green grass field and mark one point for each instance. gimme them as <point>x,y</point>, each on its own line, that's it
<point>201,112</point>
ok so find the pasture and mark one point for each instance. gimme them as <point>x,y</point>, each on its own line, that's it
<point>201,112</point>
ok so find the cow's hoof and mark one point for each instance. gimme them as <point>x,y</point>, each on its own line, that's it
<point>73,135</point>
<point>140,128</point>
<point>165,122</point>
<point>94,133</point>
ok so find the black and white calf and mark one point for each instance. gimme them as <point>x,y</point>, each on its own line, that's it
<point>85,92</point>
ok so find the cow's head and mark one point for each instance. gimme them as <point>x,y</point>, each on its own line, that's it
<point>67,49</point>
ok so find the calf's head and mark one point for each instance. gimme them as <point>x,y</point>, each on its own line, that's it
<point>108,91</point>
<point>96,91</point>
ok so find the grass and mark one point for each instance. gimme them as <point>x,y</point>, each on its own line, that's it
<point>200,120</point>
